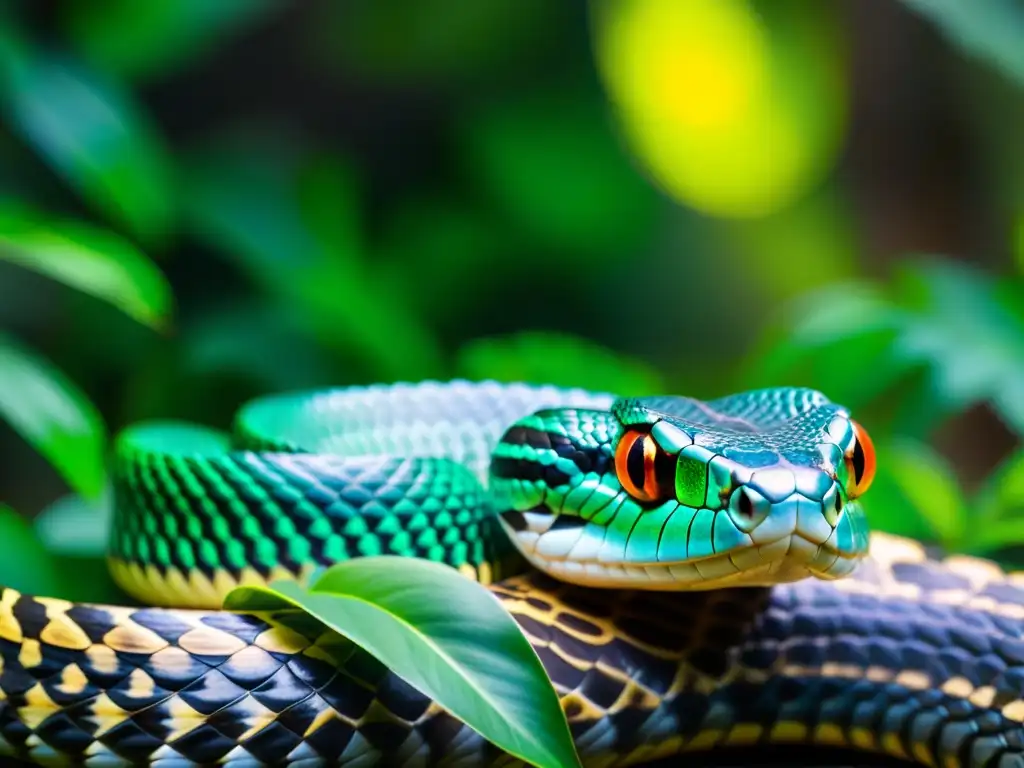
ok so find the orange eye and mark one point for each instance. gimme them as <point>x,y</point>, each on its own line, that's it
<point>860,462</point>
<point>638,464</point>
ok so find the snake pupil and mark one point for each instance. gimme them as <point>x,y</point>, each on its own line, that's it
<point>858,461</point>
<point>641,466</point>
<point>839,503</point>
<point>746,506</point>
<point>636,461</point>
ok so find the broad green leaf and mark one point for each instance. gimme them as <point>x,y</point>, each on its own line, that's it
<point>145,39</point>
<point>916,494</point>
<point>992,30</point>
<point>25,565</point>
<point>556,358</point>
<point>91,132</point>
<point>444,634</point>
<point>52,414</point>
<point>555,165</point>
<point>289,220</point>
<point>89,259</point>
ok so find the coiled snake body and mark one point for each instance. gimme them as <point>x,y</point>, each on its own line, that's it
<point>697,576</point>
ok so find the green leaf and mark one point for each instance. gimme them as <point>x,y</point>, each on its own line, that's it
<point>916,494</point>
<point>91,260</point>
<point>49,411</point>
<point>992,30</point>
<point>959,329</point>
<point>444,634</point>
<point>969,330</point>
<point>556,358</point>
<point>824,334</point>
<point>144,39</point>
<point>25,565</point>
<point>91,133</point>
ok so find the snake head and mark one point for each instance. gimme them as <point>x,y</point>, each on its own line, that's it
<point>675,493</point>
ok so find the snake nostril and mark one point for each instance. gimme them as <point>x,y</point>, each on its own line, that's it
<point>747,508</point>
<point>832,506</point>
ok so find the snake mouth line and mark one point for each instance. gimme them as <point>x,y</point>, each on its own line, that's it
<point>786,558</point>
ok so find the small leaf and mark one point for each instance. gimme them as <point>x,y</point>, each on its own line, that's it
<point>91,133</point>
<point>968,329</point>
<point>447,636</point>
<point>556,358</point>
<point>89,259</point>
<point>25,565</point>
<point>148,38</point>
<point>958,331</point>
<point>915,493</point>
<point>990,31</point>
<point>49,411</point>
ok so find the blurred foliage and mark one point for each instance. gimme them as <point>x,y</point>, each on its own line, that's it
<point>990,30</point>
<point>637,196</point>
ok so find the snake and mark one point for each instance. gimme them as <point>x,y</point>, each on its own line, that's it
<point>697,578</point>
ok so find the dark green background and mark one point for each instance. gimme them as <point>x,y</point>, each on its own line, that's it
<point>347,192</point>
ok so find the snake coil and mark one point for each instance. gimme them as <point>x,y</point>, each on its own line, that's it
<point>693,576</point>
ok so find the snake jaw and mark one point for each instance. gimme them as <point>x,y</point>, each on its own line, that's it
<point>793,540</point>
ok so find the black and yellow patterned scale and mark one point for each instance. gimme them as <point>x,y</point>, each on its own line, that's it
<point>911,658</point>
<point>682,619</point>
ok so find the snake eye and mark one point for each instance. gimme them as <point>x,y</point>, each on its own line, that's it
<point>640,466</point>
<point>860,462</point>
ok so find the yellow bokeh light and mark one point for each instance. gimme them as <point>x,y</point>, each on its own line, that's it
<point>725,117</point>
